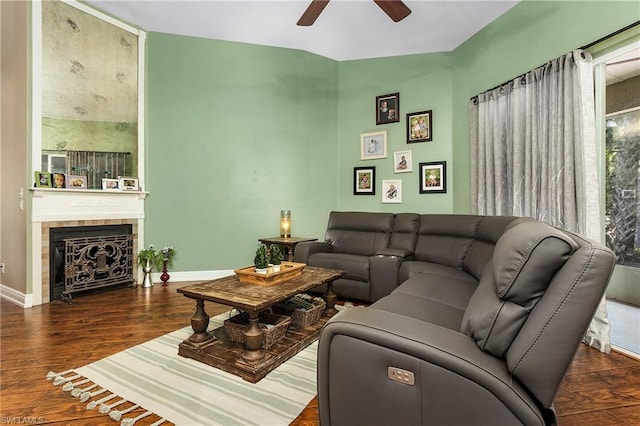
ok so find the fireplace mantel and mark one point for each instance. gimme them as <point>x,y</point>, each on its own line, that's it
<point>86,204</point>
<point>77,207</point>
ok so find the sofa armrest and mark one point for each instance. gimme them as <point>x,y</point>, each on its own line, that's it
<point>383,275</point>
<point>405,254</point>
<point>304,250</point>
<point>453,377</point>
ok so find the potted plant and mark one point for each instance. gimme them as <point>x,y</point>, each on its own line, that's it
<point>164,259</point>
<point>275,257</point>
<point>147,258</point>
<point>261,259</point>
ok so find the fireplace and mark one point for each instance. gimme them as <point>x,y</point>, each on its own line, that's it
<point>83,258</point>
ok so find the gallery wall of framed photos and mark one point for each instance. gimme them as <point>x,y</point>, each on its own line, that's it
<point>431,174</point>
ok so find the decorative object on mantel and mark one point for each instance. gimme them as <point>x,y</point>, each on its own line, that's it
<point>285,223</point>
<point>261,259</point>
<point>166,254</point>
<point>43,179</point>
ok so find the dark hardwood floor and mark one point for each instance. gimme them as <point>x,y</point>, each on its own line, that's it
<point>599,389</point>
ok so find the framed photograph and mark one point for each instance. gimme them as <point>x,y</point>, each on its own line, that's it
<point>419,126</point>
<point>388,108</point>
<point>364,181</point>
<point>76,182</point>
<point>58,180</point>
<point>433,177</point>
<point>392,191</point>
<point>43,180</point>
<point>111,184</point>
<point>129,184</point>
<point>402,162</point>
<point>373,145</point>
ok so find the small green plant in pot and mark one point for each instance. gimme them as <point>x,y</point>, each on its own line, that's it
<point>261,259</point>
<point>275,257</point>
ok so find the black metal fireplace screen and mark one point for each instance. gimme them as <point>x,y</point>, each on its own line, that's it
<point>97,262</point>
<point>92,257</point>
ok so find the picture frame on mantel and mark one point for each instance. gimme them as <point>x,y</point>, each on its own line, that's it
<point>111,184</point>
<point>43,179</point>
<point>388,108</point>
<point>129,183</point>
<point>76,182</point>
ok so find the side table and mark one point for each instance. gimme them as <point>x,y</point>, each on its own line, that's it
<point>290,243</point>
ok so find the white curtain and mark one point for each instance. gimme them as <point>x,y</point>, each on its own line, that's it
<point>533,153</point>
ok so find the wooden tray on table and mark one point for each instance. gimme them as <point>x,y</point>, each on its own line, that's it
<point>288,271</point>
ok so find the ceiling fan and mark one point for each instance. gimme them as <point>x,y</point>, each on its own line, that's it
<point>396,10</point>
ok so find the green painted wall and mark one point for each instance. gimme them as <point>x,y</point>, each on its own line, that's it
<point>424,82</point>
<point>236,132</point>
<point>530,34</point>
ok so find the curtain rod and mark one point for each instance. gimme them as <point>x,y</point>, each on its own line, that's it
<point>615,33</point>
<point>621,30</point>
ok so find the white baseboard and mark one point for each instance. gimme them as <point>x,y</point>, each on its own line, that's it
<point>26,300</point>
<point>16,297</point>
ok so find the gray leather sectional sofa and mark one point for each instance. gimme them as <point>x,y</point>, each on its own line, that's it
<point>475,319</point>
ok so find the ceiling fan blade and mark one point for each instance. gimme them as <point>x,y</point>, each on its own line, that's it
<point>313,11</point>
<point>396,9</point>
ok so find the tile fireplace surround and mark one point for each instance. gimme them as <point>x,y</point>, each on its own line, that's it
<point>55,208</point>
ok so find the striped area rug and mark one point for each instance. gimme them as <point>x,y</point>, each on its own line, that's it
<point>187,392</point>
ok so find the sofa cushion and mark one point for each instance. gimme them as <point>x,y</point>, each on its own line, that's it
<point>489,231</point>
<point>445,289</point>
<point>422,309</point>
<point>405,231</point>
<point>359,233</point>
<point>410,268</point>
<point>355,267</point>
<point>525,260</point>
<point>445,239</point>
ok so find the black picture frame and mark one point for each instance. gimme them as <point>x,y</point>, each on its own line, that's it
<point>362,174</point>
<point>420,126</point>
<point>433,177</point>
<point>388,108</point>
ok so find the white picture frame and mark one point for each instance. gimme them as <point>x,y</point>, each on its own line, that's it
<point>373,145</point>
<point>402,162</point>
<point>392,191</point>
<point>129,183</point>
<point>110,184</point>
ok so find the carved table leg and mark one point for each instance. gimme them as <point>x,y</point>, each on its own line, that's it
<point>253,338</point>
<point>330,298</point>
<point>199,323</point>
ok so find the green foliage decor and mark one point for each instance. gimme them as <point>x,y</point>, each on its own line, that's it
<point>157,258</point>
<point>261,259</point>
<point>275,255</point>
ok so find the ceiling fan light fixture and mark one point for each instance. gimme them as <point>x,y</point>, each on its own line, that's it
<point>395,9</point>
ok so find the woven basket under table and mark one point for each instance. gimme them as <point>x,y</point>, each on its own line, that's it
<point>302,317</point>
<point>237,324</point>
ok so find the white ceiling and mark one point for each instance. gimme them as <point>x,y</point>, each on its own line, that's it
<point>346,29</point>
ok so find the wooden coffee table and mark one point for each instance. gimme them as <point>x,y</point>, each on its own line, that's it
<point>249,360</point>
